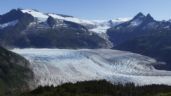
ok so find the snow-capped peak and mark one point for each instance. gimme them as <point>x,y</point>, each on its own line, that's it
<point>137,20</point>
<point>43,17</point>
<point>140,18</point>
<point>98,26</point>
<point>39,15</point>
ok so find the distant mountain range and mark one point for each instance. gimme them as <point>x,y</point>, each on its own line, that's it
<point>27,28</point>
<point>140,25</point>
<point>144,35</point>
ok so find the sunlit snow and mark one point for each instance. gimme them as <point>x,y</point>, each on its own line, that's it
<point>40,16</point>
<point>97,26</point>
<point>58,66</point>
<point>11,23</point>
<point>136,22</point>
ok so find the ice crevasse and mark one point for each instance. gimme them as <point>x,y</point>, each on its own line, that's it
<point>58,66</point>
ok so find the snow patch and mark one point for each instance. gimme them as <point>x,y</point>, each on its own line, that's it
<point>136,22</point>
<point>101,26</point>
<point>100,29</point>
<point>122,19</point>
<point>97,26</point>
<point>11,23</point>
<point>71,19</point>
<point>39,15</point>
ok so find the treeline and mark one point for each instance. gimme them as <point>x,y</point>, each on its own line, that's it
<point>101,88</point>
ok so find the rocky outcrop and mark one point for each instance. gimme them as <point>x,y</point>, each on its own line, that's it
<point>15,74</point>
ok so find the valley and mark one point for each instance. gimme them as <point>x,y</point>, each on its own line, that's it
<point>51,53</point>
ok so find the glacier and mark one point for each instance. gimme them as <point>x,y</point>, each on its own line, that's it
<point>59,66</point>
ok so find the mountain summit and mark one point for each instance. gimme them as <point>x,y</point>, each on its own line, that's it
<point>139,15</point>
<point>145,35</point>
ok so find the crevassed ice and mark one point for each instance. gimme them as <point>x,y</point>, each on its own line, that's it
<point>58,66</point>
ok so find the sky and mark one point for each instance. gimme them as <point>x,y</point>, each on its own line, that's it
<point>94,9</point>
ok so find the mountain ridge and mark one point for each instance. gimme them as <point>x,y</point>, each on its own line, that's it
<point>144,35</point>
<point>15,74</point>
<point>27,30</point>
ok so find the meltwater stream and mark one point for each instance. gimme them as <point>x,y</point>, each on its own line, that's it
<point>58,66</point>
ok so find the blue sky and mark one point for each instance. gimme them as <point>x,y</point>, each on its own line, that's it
<point>94,9</point>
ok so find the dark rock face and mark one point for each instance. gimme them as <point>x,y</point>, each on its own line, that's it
<point>156,46</point>
<point>64,38</point>
<point>51,21</point>
<point>10,16</point>
<point>15,74</point>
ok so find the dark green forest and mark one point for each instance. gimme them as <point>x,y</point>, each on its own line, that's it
<point>101,88</point>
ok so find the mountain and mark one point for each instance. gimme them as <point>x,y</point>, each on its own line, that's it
<point>25,28</point>
<point>139,25</point>
<point>34,29</point>
<point>145,36</point>
<point>15,73</point>
<point>157,46</point>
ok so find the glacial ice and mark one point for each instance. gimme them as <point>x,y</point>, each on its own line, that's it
<point>58,66</point>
